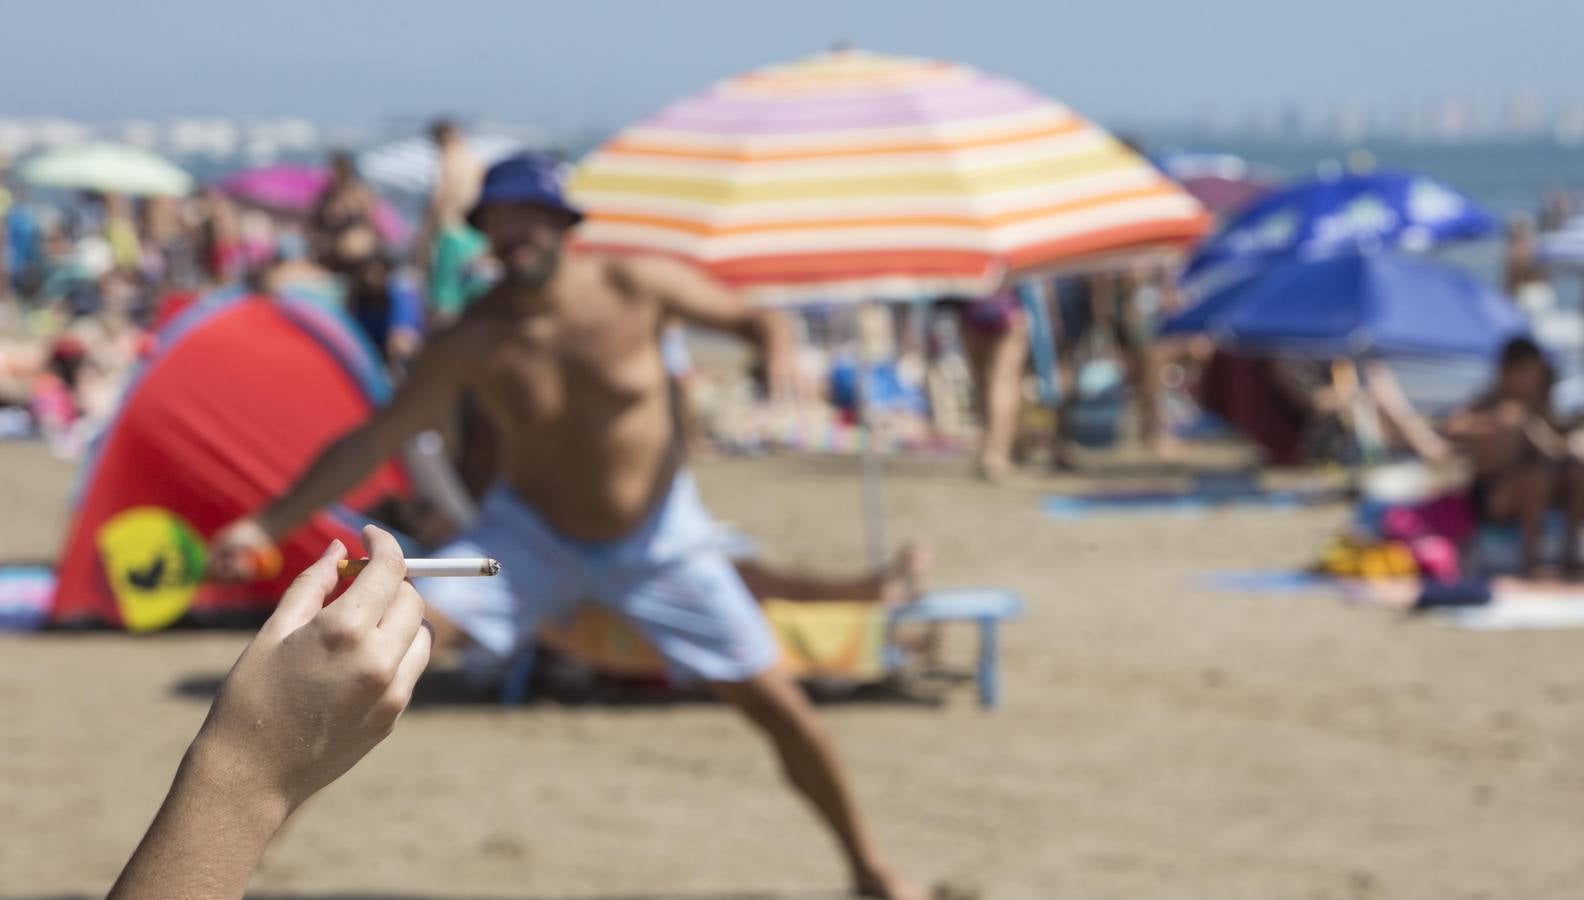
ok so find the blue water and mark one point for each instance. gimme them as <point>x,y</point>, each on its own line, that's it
<point>1505,176</point>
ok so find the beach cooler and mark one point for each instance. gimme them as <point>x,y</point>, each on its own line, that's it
<point>820,641</point>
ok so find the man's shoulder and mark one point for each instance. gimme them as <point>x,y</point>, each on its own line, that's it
<point>640,273</point>
<point>624,273</point>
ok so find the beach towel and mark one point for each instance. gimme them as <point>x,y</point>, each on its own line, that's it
<point>25,595</point>
<point>849,642</point>
<point>1519,611</point>
<point>1504,605</point>
<point>1270,581</point>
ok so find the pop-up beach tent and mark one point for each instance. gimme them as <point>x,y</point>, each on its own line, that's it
<point>240,392</point>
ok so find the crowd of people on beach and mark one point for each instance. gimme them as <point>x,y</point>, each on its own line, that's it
<point>567,436</point>
<point>89,279</point>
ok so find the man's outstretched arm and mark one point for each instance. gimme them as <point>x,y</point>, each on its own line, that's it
<point>690,294</point>
<point>428,396</point>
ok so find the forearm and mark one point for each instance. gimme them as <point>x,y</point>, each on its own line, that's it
<point>1394,406</point>
<point>769,332</point>
<point>1424,440</point>
<point>207,837</point>
<point>1545,439</point>
<point>343,464</point>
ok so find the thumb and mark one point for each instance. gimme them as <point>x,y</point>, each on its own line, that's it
<point>303,600</point>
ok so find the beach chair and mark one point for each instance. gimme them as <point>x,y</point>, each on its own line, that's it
<point>850,642</point>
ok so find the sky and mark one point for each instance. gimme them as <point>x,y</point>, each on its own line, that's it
<point>601,63</point>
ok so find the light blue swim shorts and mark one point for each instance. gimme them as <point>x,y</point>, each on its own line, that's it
<point>671,578</point>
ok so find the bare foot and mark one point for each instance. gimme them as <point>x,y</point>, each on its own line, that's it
<point>994,471</point>
<point>883,884</point>
<point>903,577</point>
<point>1063,461</point>
<point>903,583</point>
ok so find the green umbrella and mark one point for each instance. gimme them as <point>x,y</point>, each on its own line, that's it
<point>113,168</point>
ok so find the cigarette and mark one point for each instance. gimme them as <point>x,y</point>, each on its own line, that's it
<point>430,568</point>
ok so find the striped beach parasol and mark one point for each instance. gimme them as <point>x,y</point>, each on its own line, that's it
<point>855,176</point>
<point>410,164</point>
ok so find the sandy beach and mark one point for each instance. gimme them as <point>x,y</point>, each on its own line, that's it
<point>1156,740</point>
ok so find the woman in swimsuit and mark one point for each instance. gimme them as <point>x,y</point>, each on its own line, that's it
<point>341,229</point>
<point>1523,466</point>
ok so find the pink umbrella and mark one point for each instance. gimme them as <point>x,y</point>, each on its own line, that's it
<point>293,191</point>
<point>1222,182</point>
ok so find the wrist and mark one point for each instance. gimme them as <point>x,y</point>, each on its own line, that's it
<point>273,523</point>
<point>230,787</point>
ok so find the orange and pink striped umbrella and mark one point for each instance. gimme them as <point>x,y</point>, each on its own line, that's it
<point>855,176</point>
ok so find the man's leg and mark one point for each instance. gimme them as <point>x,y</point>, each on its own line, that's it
<point>489,617</point>
<point>1525,496</point>
<point>898,582</point>
<point>1572,491</point>
<point>778,708</point>
<point>698,613</point>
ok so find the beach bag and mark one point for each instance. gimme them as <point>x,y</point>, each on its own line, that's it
<point>1101,397</point>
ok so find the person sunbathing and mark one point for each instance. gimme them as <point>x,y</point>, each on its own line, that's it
<point>1523,464</point>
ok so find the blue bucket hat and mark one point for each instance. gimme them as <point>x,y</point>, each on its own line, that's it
<point>524,178</point>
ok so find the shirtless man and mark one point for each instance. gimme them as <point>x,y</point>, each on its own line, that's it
<point>564,358</point>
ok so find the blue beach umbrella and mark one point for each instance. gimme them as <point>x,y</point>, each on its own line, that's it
<point>1349,213</point>
<point>1353,306</point>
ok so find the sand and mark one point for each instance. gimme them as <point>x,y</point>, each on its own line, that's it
<point>1156,740</point>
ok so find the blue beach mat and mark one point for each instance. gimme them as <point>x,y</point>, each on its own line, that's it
<point>1269,581</point>
<point>1193,502</point>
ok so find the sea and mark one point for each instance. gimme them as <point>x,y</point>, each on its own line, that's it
<point>1504,176</point>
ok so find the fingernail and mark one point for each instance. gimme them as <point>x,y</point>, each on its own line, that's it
<point>335,547</point>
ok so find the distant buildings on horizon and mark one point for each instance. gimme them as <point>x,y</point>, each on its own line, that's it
<point>1448,121</point>
<point>244,140</point>
<point>230,140</point>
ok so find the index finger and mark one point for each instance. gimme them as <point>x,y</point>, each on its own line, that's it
<point>364,603</point>
<point>303,600</point>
